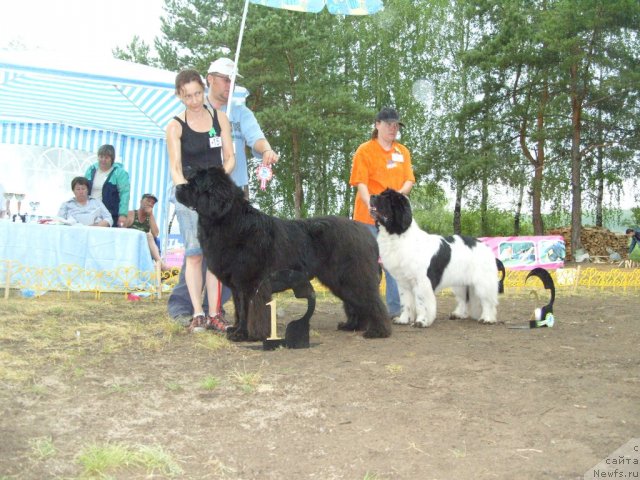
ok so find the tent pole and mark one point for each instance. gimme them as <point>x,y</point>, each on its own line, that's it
<point>235,60</point>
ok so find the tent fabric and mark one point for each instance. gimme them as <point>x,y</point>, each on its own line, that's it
<point>143,155</point>
<point>53,100</point>
<point>55,135</point>
<point>134,111</point>
<point>119,96</point>
<point>145,159</point>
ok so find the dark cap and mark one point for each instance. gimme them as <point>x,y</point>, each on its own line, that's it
<point>388,114</point>
<point>149,195</point>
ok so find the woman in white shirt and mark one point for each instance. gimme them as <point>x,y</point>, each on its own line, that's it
<point>84,209</point>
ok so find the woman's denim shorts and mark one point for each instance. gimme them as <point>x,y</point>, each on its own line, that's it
<point>188,221</point>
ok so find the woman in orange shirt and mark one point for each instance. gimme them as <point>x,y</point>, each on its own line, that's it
<point>379,164</point>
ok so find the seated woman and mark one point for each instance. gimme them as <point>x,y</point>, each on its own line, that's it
<point>83,209</point>
<point>142,219</point>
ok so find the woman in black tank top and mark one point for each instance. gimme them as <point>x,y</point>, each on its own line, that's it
<point>197,138</point>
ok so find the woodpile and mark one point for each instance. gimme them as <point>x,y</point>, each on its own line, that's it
<point>595,241</point>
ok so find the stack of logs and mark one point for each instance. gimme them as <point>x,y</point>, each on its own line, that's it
<point>595,241</point>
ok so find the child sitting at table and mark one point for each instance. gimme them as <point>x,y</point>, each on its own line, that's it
<point>142,219</point>
<point>82,209</point>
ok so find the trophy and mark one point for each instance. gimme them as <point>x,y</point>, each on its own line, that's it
<point>34,206</point>
<point>19,197</point>
<point>8,197</point>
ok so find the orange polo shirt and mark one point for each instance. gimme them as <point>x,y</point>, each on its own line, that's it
<point>379,169</point>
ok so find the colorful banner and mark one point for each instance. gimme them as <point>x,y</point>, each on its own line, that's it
<point>527,253</point>
<point>174,255</point>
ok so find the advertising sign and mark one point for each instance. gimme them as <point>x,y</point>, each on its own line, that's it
<point>527,253</point>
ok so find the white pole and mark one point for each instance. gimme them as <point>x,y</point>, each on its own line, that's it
<point>235,60</point>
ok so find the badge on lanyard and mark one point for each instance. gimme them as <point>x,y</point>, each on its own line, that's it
<point>214,140</point>
<point>397,156</point>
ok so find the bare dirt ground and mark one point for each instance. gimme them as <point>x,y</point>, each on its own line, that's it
<point>458,400</point>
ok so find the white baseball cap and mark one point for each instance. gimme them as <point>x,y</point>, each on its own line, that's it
<point>223,66</point>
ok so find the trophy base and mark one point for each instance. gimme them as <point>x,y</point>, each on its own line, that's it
<point>273,343</point>
<point>296,336</point>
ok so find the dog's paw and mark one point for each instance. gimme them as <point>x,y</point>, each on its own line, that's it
<point>423,322</point>
<point>376,333</point>
<point>348,326</point>
<point>456,316</point>
<point>237,335</point>
<point>401,320</point>
<point>487,321</point>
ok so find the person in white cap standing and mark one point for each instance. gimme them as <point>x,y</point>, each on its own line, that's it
<point>245,128</point>
<point>246,132</point>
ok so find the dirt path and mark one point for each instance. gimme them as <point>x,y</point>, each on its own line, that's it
<point>456,401</point>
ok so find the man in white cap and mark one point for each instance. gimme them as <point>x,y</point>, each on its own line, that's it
<point>246,132</point>
<point>245,128</point>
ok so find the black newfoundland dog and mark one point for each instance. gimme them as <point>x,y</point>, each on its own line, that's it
<point>244,248</point>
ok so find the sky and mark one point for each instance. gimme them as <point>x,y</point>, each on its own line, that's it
<point>86,26</point>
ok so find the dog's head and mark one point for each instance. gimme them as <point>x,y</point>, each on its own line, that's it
<point>209,192</point>
<point>391,210</point>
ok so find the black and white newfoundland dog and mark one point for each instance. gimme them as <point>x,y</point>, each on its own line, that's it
<point>424,264</point>
<point>244,248</point>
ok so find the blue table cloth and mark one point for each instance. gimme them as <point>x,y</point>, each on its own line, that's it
<point>76,258</point>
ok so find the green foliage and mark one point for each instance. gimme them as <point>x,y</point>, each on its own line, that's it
<point>210,383</point>
<point>137,51</point>
<point>431,212</point>
<point>436,220</point>
<point>105,459</point>
<point>557,219</point>
<point>499,222</point>
<point>429,208</point>
<point>484,87</point>
<point>552,70</point>
<point>42,447</point>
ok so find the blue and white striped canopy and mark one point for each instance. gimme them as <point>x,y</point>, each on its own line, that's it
<point>63,101</point>
<point>105,94</point>
<point>50,100</point>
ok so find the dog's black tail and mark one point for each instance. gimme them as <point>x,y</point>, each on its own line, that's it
<point>503,274</point>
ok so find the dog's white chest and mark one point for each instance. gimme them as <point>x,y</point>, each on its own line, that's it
<point>403,254</point>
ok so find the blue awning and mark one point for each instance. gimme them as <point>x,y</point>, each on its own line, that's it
<point>109,94</point>
<point>53,100</point>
